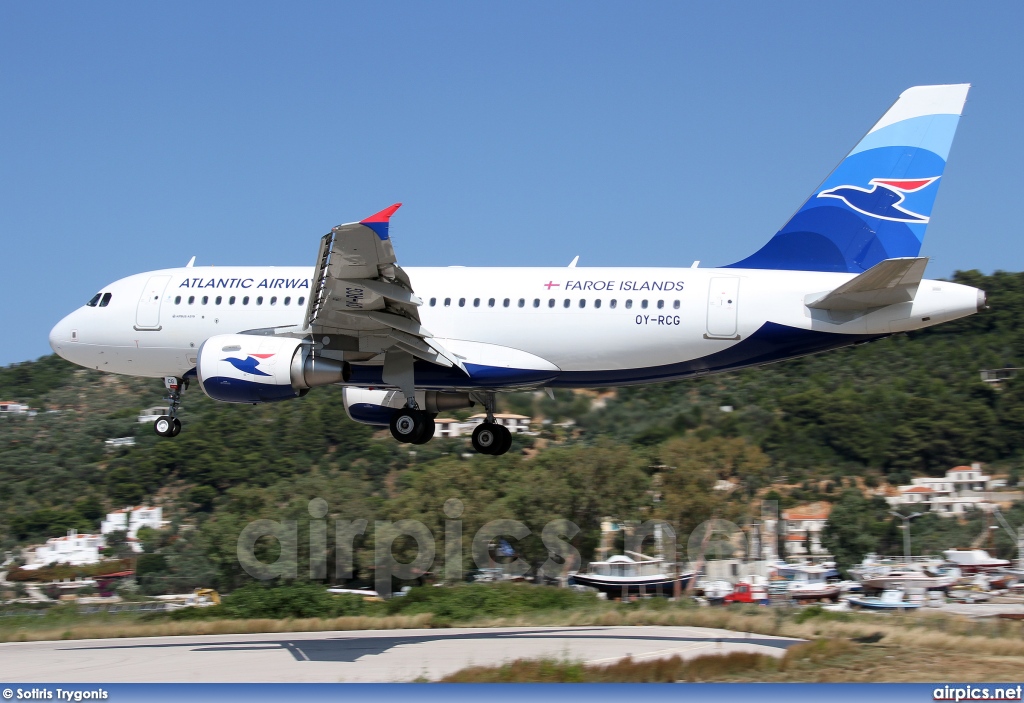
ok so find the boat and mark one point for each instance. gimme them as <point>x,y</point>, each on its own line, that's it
<point>891,599</point>
<point>973,561</point>
<point>887,579</point>
<point>808,583</point>
<point>620,576</point>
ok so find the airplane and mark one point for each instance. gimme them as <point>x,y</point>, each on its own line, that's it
<point>407,344</point>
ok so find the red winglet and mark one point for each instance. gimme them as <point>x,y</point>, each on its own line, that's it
<point>382,216</point>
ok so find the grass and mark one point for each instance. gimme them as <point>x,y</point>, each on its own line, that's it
<point>823,660</point>
<point>125,627</point>
<point>705,668</point>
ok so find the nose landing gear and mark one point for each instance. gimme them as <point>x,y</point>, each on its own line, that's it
<point>169,425</point>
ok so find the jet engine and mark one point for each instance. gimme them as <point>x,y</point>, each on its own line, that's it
<point>244,368</point>
<point>375,407</point>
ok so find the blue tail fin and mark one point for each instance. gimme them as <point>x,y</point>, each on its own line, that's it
<point>876,204</point>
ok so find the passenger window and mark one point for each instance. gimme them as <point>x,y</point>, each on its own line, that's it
<point>643,304</point>
<point>476,302</point>
<point>191,299</point>
<point>612,303</point>
<point>522,302</point>
<point>259,300</point>
<point>433,302</point>
<point>177,300</point>
<point>462,302</point>
<point>597,303</point>
<point>675,305</point>
<point>218,300</point>
<point>506,302</point>
<point>273,300</point>
<point>206,299</point>
<point>629,304</point>
<point>551,303</point>
<point>95,299</point>
<point>231,300</point>
<point>583,303</point>
<point>302,300</point>
<point>245,300</point>
<point>661,304</point>
<point>536,302</point>
<point>490,302</point>
<point>447,302</point>
<point>287,300</point>
<point>105,300</point>
<point>567,303</point>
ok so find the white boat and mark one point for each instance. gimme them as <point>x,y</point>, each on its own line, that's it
<point>891,599</point>
<point>972,561</point>
<point>621,576</point>
<point>808,583</point>
<point>940,580</point>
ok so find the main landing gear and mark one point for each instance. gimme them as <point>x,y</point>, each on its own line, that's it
<point>492,438</point>
<point>489,437</point>
<point>412,425</point>
<point>169,425</point>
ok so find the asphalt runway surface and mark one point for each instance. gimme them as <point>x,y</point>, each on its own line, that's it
<point>355,656</point>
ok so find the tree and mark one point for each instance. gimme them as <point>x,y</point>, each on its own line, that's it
<point>853,528</point>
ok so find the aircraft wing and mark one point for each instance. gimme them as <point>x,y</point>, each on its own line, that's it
<point>888,282</point>
<point>362,300</point>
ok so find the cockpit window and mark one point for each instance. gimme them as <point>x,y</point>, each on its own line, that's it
<point>95,299</point>
<point>105,301</point>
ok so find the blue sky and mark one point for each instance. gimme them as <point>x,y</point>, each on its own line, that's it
<point>135,135</point>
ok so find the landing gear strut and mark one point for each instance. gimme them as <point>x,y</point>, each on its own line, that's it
<point>169,425</point>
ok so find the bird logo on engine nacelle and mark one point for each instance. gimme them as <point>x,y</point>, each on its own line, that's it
<point>249,364</point>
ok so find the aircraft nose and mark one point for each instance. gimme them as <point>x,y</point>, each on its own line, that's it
<point>60,336</point>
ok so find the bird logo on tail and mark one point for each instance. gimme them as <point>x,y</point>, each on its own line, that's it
<point>883,198</point>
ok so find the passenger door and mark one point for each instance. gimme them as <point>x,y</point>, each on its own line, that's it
<point>147,315</point>
<point>723,303</point>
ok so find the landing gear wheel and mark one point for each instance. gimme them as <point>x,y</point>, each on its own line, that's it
<point>505,440</point>
<point>487,438</point>
<point>427,433</point>
<point>164,426</point>
<point>408,425</point>
<point>175,427</point>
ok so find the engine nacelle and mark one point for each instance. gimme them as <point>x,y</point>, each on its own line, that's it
<point>245,368</point>
<point>375,407</point>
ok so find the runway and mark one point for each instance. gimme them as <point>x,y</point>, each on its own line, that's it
<point>363,656</point>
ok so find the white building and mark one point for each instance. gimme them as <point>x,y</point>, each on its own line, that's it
<point>74,549</point>
<point>958,492</point>
<point>803,526</point>
<point>131,519</point>
<point>10,407</point>
<point>450,427</point>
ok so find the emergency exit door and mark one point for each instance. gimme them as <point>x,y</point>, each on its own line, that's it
<point>723,303</point>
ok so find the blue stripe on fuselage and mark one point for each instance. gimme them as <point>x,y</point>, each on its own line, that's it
<point>771,342</point>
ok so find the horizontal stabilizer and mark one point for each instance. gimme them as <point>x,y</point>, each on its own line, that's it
<point>887,283</point>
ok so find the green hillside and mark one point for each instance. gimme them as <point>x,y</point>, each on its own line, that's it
<point>807,429</point>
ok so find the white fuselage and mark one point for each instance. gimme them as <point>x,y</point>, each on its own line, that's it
<point>592,326</point>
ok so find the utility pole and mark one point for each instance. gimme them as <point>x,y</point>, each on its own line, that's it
<point>906,532</point>
<point>1018,536</point>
